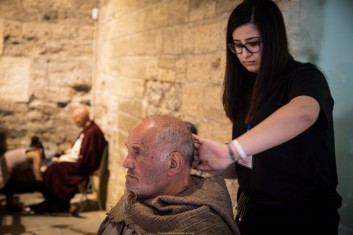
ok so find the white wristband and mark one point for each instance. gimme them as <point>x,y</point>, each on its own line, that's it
<point>239,149</point>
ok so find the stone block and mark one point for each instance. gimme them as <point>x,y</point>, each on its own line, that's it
<point>223,7</point>
<point>217,69</point>
<point>129,87</point>
<point>166,69</point>
<point>208,37</point>
<point>127,24</point>
<point>54,94</point>
<point>126,121</point>
<point>212,106</point>
<point>82,80</point>
<point>192,100</point>
<point>42,31</point>
<point>45,108</point>
<point>164,97</point>
<point>85,33</point>
<point>173,98</point>
<point>131,106</point>
<point>173,40</point>
<point>179,16</point>
<point>63,32</point>
<point>56,65</point>
<point>180,68</point>
<point>14,78</point>
<point>152,68</point>
<point>156,16</point>
<point>1,36</point>
<point>119,7</point>
<point>220,131</point>
<point>200,10</point>
<point>129,66</point>
<point>188,39</point>
<point>116,183</point>
<point>198,68</point>
<point>155,92</point>
<point>203,38</point>
<point>149,43</point>
<point>106,112</point>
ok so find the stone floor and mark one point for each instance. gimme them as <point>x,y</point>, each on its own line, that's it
<point>86,223</point>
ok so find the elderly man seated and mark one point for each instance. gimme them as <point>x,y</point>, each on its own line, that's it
<point>161,196</point>
<point>63,176</point>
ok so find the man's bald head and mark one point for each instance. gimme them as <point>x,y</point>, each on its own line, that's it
<point>80,116</point>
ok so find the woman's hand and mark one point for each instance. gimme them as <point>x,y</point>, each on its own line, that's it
<point>210,155</point>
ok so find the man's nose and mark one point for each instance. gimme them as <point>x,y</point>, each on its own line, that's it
<point>128,163</point>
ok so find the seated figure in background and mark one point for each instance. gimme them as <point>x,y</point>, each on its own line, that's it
<point>72,154</point>
<point>161,195</point>
<point>64,176</point>
<point>14,174</point>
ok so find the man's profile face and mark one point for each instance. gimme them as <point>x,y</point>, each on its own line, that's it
<point>147,169</point>
<point>80,116</point>
<point>78,120</point>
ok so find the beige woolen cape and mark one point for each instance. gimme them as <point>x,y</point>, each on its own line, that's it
<point>203,208</point>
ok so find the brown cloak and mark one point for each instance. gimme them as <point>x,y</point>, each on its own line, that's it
<point>203,208</point>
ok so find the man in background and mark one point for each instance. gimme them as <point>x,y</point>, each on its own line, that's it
<point>63,176</point>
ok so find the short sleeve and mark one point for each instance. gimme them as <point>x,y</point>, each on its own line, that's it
<point>307,80</point>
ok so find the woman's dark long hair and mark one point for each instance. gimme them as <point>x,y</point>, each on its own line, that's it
<point>37,144</point>
<point>243,90</point>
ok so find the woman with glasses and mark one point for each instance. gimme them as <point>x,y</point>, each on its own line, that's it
<point>282,150</point>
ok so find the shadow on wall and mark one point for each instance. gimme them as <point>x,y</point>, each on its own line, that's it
<point>311,30</point>
<point>344,155</point>
<point>336,60</point>
<point>325,39</point>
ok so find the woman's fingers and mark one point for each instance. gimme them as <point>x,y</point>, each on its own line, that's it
<point>203,166</point>
<point>197,139</point>
<point>196,161</point>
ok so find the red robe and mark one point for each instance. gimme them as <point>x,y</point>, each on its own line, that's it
<point>63,177</point>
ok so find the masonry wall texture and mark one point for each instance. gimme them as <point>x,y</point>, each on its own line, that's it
<point>147,57</point>
<point>46,55</point>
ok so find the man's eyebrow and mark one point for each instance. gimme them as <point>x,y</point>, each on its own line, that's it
<point>136,148</point>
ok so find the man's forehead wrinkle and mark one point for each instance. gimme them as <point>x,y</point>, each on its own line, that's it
<point>140,139</point>
<point>135,139</point>
<point>143,137</point>
<point>150,130</point>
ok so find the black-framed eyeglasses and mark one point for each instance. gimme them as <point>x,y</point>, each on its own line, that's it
<point>251,47</point>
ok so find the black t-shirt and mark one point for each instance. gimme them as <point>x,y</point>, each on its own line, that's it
<point>302,170</point>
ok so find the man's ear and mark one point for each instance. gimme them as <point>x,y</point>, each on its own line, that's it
<point>175,163</point>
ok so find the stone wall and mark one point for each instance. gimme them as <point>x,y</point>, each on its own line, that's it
<point>46,56</point>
